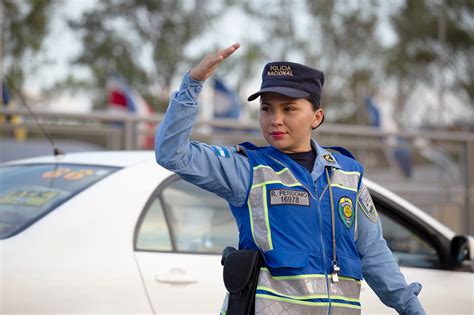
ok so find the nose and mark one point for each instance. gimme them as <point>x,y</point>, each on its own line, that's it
<point>277,118</point>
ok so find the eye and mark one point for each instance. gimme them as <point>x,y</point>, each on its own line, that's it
<point>264,108</point>
<point>289,108</point>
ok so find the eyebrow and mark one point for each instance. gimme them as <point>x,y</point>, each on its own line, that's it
<point>283,104</point>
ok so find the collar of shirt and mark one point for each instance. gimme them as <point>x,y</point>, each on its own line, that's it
<point>324,158</point>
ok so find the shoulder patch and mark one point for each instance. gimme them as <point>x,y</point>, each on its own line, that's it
<point>367,204</point>
<point>220,151</point>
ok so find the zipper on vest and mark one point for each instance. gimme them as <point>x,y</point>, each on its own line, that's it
<point>317,200</point>
<point>322,244</point>
<point>335,266</point>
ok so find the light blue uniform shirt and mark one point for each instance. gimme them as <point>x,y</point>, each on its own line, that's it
<point>223,171</point>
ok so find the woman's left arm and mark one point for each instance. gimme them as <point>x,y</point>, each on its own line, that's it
<point>379,267</point>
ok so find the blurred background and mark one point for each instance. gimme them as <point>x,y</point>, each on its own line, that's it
<point>399,90</point>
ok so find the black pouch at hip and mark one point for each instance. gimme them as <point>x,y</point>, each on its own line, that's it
<point>241,270</point>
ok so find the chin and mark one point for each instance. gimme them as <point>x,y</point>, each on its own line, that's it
<point>279,145</point>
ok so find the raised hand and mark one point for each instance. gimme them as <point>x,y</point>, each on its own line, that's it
<point>209,64</point>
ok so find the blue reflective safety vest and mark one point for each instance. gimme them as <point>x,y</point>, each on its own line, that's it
<point>305,231</point>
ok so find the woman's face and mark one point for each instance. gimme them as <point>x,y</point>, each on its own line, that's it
<point>286,123</point>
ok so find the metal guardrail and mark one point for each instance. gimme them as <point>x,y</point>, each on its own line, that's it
<point>449,200</point>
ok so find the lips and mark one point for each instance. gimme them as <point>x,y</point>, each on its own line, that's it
<point>278,134</point>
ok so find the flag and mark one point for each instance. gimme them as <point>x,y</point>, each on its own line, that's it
<point>401,153</point>
<point>5,100</point>
<point>227,103</point>
<point>374,112</point>
<point>123,98</point>
<point>5,94</point>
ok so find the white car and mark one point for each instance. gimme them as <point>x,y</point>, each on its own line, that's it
<point>113,232</point>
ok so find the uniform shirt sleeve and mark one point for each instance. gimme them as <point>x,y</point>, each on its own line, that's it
<point>378,264</point>
<point>220,170</point>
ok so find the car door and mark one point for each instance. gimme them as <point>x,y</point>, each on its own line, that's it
<point>422,255</point>
<point>178,242</point>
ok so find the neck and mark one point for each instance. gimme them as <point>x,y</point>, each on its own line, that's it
<point>305,148</point>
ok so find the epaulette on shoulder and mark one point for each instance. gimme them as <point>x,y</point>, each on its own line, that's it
<point>243,147</point>
<point>342,151</point>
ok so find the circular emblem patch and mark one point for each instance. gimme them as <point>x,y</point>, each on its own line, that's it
<point>346,211</point>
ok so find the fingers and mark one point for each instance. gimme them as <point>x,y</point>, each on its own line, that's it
<point>213,60</point>
<point>224,53</point>
<point>229,50</point>
<point>208,65</point>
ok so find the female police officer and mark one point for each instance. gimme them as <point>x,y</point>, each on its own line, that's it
<point>303,207</point>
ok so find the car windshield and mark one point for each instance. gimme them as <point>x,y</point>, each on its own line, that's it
<point>28,192</point>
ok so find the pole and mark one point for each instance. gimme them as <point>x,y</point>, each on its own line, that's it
<point>469,224</point>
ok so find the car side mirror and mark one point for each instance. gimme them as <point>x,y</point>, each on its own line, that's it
<point>461,251</point>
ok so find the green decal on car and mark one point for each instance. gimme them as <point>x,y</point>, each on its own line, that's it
<point>33,198</point>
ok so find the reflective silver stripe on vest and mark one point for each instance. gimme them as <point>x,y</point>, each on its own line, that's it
<point>300,293</point>
<point>337,310</point>
<point>257,203</point>
<point>266,305</point>
<point>259,218</point>
<point>266,175</point>
<point>345,180</point>
<point>347,288</point>
<point>294,286</point>
<point>225,305</point>
<point>309,286</point>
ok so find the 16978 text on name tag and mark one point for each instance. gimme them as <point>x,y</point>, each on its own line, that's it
<point>289,197</point>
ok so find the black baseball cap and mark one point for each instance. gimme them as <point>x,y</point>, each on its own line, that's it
<point>291,79</point>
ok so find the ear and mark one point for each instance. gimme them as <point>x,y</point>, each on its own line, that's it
<point>317,118</point>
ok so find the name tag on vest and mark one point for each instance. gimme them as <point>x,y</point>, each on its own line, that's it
<point>289,197</point>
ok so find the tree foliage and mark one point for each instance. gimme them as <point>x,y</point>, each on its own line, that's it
<point>435,47</point>
<point>25,26</point>
<point>145,41</point>
<point>348,50</point>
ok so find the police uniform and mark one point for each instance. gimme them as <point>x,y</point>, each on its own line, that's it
<point>318,231</point>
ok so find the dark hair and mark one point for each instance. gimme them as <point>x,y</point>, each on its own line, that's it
<point>314,103</point>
